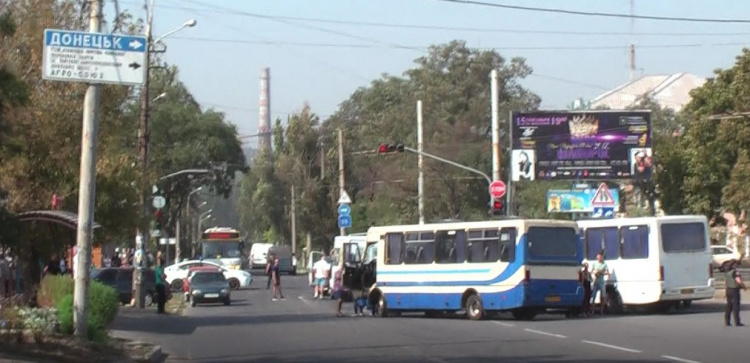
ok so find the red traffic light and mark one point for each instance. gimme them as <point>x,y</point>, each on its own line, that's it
<point>497,205</point>
<point>383,148</point>
<point>158,214</point>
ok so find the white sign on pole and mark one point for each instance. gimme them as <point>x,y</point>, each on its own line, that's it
<point>344,199</point>
<point>159,202</point>
<point>77,56</point>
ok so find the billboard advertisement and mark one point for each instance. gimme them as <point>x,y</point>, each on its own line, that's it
<point>576,201</point>
<point>591,145</point>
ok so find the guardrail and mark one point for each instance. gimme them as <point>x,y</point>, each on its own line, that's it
<point>719,277</point>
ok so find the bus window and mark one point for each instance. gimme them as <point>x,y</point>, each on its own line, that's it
<point>603,239</point>
<point>450,247</point>
<point>634,242</point>
<point>683,237</point>
<point>394,243</point>
<point>419,248</point>
<point>552,241</point>
<point>508,244</point>
<point>484,245</point>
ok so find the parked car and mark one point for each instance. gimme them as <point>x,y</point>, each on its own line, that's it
<point>178,272</point>
<point>191,272</point>
<point>209,286</point>
<point>721,254</point>
<point>121,279</point>
<point>259,255</point>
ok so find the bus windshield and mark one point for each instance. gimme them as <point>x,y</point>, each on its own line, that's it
<point>555,242</point>
<point>222,249</point>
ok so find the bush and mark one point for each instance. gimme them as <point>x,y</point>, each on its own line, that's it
<point>53,289</point>
<point>104,303</point>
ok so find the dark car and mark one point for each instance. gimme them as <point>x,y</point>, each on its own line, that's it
<point>209,286</point>
<point>121,279</point>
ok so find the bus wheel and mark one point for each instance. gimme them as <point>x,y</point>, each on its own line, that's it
<point>614,304</point>
<point>474,308</point>
<point>382,307</point>
<point>687,303</point>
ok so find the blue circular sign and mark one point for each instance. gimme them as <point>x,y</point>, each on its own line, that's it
<point>344,210</point>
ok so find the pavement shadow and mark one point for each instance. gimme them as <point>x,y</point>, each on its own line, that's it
<point>385,358</point>
<point>186,325</point>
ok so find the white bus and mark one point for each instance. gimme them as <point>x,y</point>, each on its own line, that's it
<point>517,265</point>
<point>653,261</point>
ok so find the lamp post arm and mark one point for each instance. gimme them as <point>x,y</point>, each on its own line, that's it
<point>475,171</point>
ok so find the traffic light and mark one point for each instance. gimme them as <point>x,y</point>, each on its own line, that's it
<point>498,208</point>
<point>390,148</point>
<point>158,216</point>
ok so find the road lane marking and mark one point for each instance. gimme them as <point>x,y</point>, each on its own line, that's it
<point>545,333</point>
<point>304,301</point>
<point>678,359</point>
<point>611,346</point>
<point>503,324</point>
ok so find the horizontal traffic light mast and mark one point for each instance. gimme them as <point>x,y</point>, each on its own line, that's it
<point>394,148</point>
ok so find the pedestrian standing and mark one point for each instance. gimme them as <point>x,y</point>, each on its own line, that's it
<point>269,267</point>
<point>276,281</point>
<point>586,282</point>
<point>161,294</point>
<point>733,283</point>
<point>599,269</point>
<point>321,269</point>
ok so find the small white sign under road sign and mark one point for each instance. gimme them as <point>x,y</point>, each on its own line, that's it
<point>77,56</point>
<point>344,199</point>
<point>159,202</point>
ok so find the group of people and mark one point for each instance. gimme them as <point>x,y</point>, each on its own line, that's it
<point>321,275</point>
<point>272,270</point>
<point>594,283</point>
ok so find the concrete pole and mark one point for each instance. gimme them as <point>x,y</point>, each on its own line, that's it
<point>420,162</point>
<point>308,244</point>
<point>293,217</point>
<point>494,92</point>
<point>87,193</point>
<point>177,240</point>
<point>143,140</point>
<point>342,181</point>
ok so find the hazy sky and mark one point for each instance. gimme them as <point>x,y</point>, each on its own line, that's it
<point>323,62</point>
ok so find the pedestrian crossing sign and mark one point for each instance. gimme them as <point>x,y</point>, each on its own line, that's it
<point>603,197</point>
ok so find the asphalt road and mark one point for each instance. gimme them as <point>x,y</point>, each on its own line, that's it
<point>300,329</point>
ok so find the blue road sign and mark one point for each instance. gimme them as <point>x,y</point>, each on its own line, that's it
<point>77,56</point>
<point>345,221</point>
<point>345,210</point>
<point>603,212</point>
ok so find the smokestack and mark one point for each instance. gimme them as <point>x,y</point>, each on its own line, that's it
<point>632,61</point>
<point>264,111</point>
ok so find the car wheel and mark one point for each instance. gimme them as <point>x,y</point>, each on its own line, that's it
<point>193,303</point>
<point>227,302</point>
<point>234,284</point>
<point>149,298</point>
<point>176,285</point>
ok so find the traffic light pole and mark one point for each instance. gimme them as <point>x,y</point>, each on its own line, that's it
<point>467,168</point>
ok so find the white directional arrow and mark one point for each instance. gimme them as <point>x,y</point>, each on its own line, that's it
<point>135,44</point>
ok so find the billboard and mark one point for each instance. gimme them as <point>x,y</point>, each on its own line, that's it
<point>590,145</point>
<point>576,200</point>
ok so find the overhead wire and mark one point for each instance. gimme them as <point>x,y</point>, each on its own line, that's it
<point>597,14</point>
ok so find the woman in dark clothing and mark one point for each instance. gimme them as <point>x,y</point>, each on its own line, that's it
<point>53,266</point>
<point>276,280</point>
<point>586,282</point>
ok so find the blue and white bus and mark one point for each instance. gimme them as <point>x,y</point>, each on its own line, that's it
<point>518,265</point>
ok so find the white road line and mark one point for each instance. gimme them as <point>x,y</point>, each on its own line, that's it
<point>678,359</point>
<point>304,300</point>
<point>504,324</point>
<point>545,333</point>
<point>611,346</point>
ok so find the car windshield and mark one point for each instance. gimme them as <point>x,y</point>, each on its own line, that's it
<point>203,277</point>
<point>221,249</point>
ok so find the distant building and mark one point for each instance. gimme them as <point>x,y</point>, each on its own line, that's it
<point>669,91</point>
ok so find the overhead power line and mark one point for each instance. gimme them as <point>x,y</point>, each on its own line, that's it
<point>599,14</point>
<point>425,48</point>
<point>359,23</point>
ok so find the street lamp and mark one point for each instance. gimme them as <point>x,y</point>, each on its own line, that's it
<point>162,95</point>
<point>143,141</point>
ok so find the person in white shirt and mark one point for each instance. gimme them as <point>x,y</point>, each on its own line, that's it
<point>321,269</point>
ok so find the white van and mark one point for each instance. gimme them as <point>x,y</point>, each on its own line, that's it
<point>259,254</point>
<point>355,245</point>
<point>657,261</point>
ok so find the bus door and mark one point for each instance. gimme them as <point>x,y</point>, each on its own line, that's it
<point>369,265</point>
<point>352,265</point>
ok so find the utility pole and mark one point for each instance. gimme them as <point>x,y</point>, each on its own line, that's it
<point>342,181</point>
<point>87,192</point>
<point>494,93</point>
<point>420,162</point>
<point>177,239</point>
<point>143,140</point>
<point>293,217</point>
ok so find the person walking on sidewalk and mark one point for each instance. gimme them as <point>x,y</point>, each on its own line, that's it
<point>161,293</point>
<point>733,283</point>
